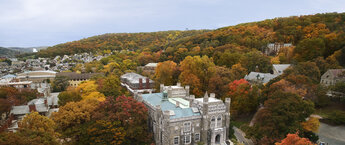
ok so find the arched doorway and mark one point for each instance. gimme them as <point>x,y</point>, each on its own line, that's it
<point>218,139</point>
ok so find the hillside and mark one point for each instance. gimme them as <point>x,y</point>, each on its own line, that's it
<point>119,41</point>
<point>4,52</point>
<point>313,35</point>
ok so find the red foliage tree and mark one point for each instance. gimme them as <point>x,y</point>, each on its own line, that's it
<point>131,114</point>
<point>294,139</point>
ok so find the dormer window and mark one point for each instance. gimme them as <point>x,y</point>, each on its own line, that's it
<point>213,118</point>
<point>187,126</point>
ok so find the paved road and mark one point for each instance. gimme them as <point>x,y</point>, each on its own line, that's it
<point>240,136</point>
<point>333,135</point>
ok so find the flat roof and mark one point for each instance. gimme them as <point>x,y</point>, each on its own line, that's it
<point>155,99</point>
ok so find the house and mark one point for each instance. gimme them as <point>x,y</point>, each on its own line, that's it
<point>149,68</point>
<point>74,79</point>
<point>44,106</point>
<point>332,76</point>
<point>278,69</point>
<point>261,78</point>
<point>137,83</point>
<point>274,48</point>
<point>176,117</point>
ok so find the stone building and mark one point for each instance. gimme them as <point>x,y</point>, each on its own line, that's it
<point>74,79</point>
<point>37,77</point>
<point>176,117</point>
<point>332,76</point>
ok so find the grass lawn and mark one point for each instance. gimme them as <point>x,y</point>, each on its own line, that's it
<point>325,112</point>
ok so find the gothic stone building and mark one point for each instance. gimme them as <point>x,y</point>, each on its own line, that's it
<point>176,117</point>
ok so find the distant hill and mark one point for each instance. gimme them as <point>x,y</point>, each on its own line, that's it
<point>5,52</point>
<point>313,35</point>
<point>28,49</point>
<point>119,41</point>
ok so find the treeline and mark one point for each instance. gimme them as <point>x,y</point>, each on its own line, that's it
<point>119,41</point>
<point>313,36</point>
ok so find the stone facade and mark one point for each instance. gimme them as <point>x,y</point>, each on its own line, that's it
<point>175,117</point>
<point>332,76</point>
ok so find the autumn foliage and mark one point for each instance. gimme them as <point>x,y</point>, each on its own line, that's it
<point>294,139</point>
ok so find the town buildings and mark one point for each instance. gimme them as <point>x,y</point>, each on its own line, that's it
<point>176,117</point>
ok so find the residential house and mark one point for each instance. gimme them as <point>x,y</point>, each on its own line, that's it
<point>332,76</point>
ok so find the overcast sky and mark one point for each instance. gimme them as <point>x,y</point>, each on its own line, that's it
<point>27,23</point>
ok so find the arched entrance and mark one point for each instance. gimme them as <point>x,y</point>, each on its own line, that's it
<point>218,139</point>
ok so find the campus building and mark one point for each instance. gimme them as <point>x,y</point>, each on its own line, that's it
<point>176,117</point>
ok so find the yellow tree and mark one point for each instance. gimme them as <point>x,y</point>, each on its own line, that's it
<point>196,72</point>
<point>73,116</point>
<point>166,73</point>
<point>33,129</point>
<point>312,124</point>
<point>88,90</point>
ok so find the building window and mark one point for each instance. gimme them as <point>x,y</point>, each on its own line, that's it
<point>197,137</point>
<point>187,139</point>
<point>187,126</point>
<point>219,121</point>
<point>213,118</point>
<point>213,122</point>
<point>176,140</point>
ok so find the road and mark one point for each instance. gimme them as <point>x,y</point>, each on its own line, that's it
<point>333,135</point>
<point>240,136</point>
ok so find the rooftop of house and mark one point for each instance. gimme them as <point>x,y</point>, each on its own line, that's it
<point>183,110</point>
<point>151,64</point>
<point>336,72</point>
<point>134,78</point>
<point>257,76</point>
<point>8,76</point>
<point>25,109</point>
<point>280,67</point>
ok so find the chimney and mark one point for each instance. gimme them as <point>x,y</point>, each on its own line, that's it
<point>46,102</point>
<point>227,104</point>
<point>169,92</point>
<point>147,83</point>
<point>140,83</point>
<point>191,99</point>
<point>32,107</point>
<point>187,90</point>
<point>178,84</point>
<point>205,99</point>
<point>161,88</point>
<point>165,96</point>
<point>212,95</point>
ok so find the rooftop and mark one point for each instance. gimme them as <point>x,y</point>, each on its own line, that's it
<point>152,64</point>
<point>257,76</point>
<point>134,78</point>
<point>184,110</point>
